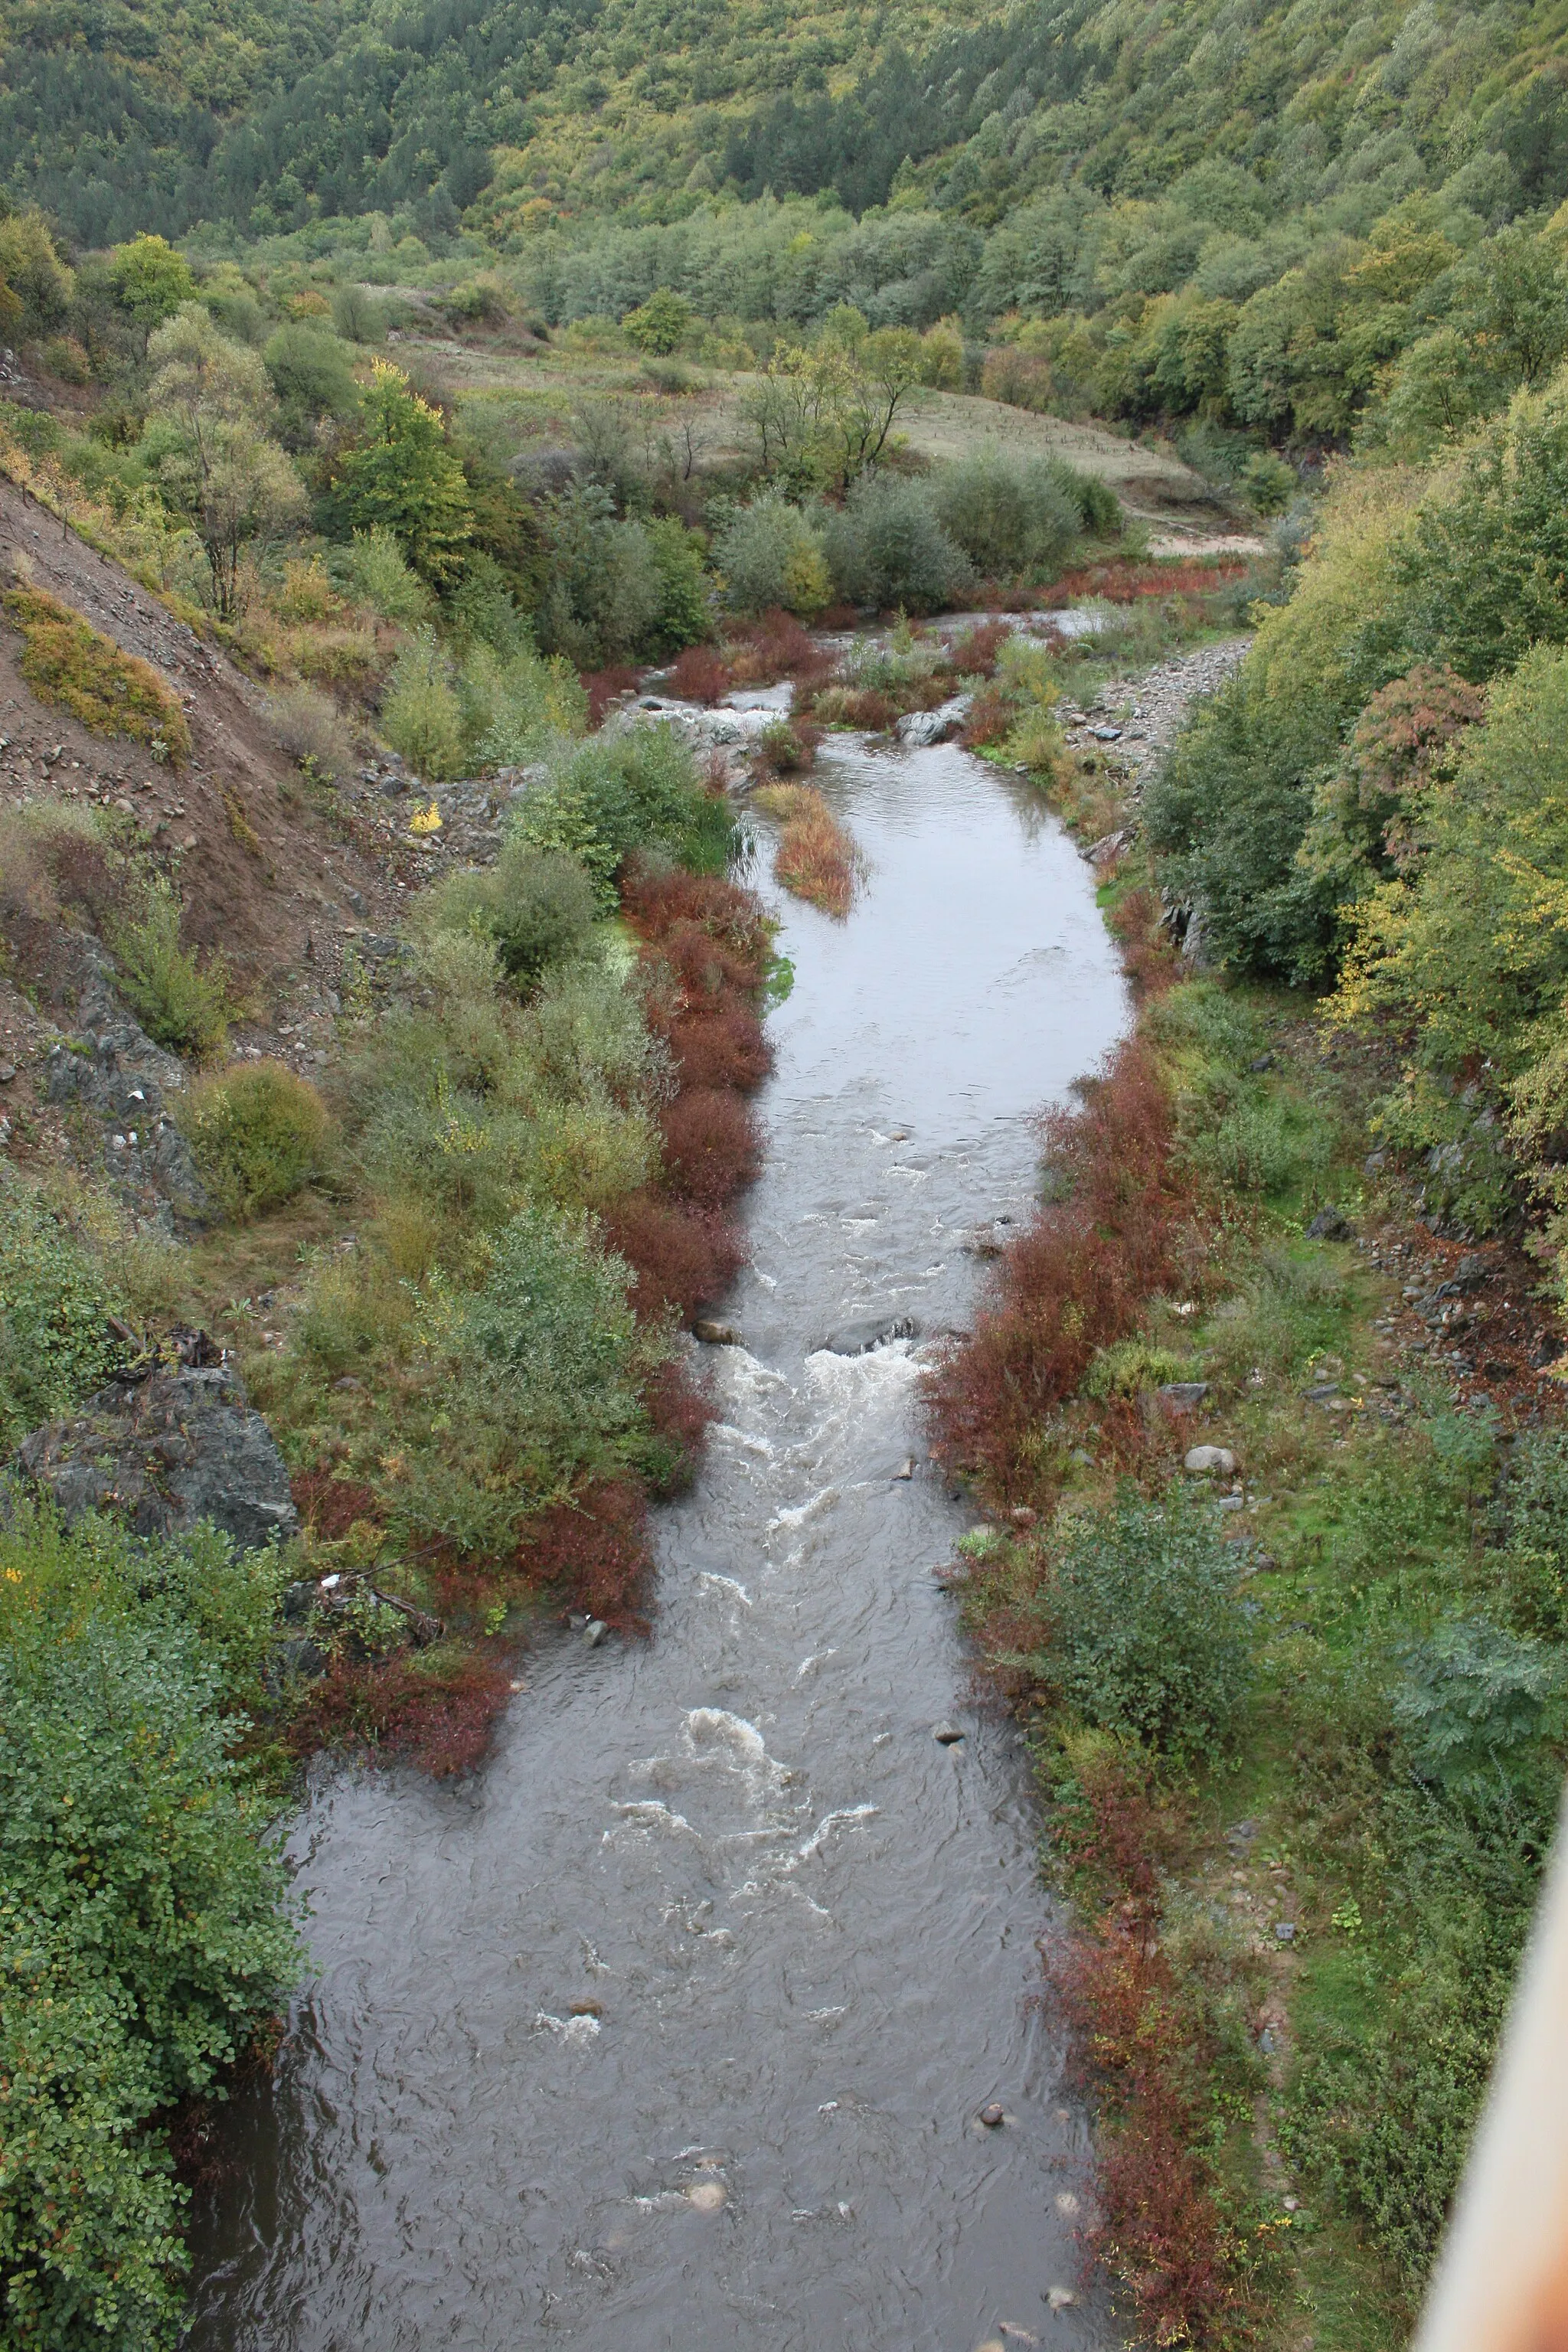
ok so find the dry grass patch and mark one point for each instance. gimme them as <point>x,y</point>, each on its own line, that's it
<point>816,857</point>
<point>66,661</point>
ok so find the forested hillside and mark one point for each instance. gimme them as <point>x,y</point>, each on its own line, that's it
<point>1239,218</point>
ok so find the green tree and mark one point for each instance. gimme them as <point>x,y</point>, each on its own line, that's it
<point>151,280</point>
<point>33,272</point>
<point>211,403</point>
<point>400,474</point>
<point>659,325</point>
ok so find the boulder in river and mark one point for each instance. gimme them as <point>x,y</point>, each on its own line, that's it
<point>918,727</point>
<point>872,1332</point>
<point>165,1453</point>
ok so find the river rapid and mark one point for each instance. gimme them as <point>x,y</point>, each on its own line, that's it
<point>807,1926</point>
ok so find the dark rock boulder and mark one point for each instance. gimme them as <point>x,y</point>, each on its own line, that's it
<point>165,1452</point>
<point>875,1331</point>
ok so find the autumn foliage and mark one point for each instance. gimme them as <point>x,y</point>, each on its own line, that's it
<point>1073,1281</point>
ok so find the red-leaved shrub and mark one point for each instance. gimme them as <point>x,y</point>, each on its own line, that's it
<point>593,1551</point>
<point>720,1049</point>
<point>1128,584</point>
<point>329,1507</point>
<point>682,1410</point>
<point>603,686</point>
<point>653,903</point>
<point>974,654</point>
<point>1147,954</point>
<point>699,676</point>
<point>1072,1281</point>
<point>710,1145</point>
<point>990,721</point>
<point>435,1711</point>
<point>772,647</point>
<point>680,1256</point>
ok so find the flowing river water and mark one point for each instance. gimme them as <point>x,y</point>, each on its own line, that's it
<point>808,1926</point>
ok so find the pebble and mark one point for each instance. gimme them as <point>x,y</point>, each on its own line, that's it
<point>1066,2203</point>
<point>993,2115</point>
<point>708,2196</point>
<point>947,1735</point>
<point>908,1470</point>
<point>1285,1933</point>
<point>1061,2298</point>
<point>585,2006</point>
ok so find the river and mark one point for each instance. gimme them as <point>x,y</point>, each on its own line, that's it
<point>808,1926</point>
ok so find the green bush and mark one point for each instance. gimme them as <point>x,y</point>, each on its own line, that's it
<point>1267,1144</point>
<point>611,795</point>
<point>144,1934</point>
<point>1474,1701</point>
<point>541,1372</point>
<point>178,1001</point>
<point>545,908</point>
<point>1131,1365</point>
<point>421,716</point>
<point>55,1345</point>
<point>768,555</point>
<point>256,1134</point>
<point>1382,2115</point>
<point>1143,1632</point>
<point>1478,578</point>
<point>380,575</point>
<point>684,616</point>
<point>1227,813</point>
<point>605,593</point>
<point>1014,517</point>
<point>887,548</point>
<point>513,704</point>
<point>1268,483</point>
<point>313,376</point>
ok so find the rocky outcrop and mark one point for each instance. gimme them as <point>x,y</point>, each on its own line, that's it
<point>112,1069</point>
<point>165,1453</point>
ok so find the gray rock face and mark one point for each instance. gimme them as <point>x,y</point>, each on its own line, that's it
<point>113,1068</point>
<point>177,1448</point>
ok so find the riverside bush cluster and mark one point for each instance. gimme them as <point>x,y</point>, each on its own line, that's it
<point>918,543</point>
<point>546,1133</point>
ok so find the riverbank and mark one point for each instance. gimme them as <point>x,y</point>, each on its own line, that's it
<point>1292,1428</point>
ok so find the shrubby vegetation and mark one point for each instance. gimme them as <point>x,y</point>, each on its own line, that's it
<point>1371,803</point>
<point>146,1931</point>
